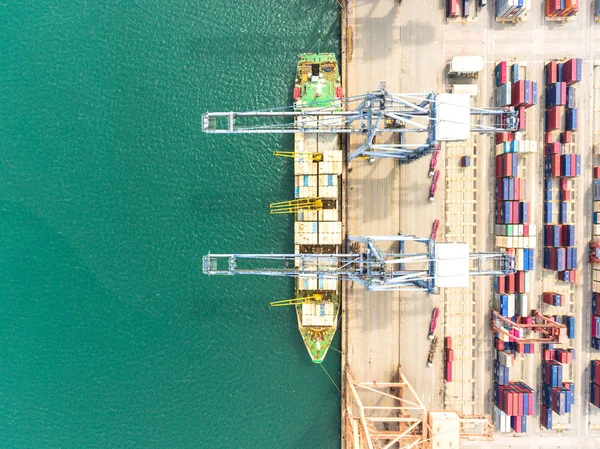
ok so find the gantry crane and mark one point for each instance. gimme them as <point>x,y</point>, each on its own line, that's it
<point>377,112</point>
<point>314,157</point>
<point>297,205</point>
<point>548,330</point>
<point>317,297</point>
<point>370,266</point>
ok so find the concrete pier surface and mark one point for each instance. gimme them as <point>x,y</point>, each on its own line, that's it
<point>408,44</point>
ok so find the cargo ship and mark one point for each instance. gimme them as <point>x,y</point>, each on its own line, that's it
<point>317,173</point>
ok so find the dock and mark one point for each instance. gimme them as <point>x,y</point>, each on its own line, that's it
<point>408,44</point>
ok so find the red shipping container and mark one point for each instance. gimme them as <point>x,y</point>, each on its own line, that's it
<point>499,344</point>
<point>563,93</point>
<point>526,230</point>
<point>521,399</point>
<point>554,118</point>
<point>517,189</point>
<point>453,8</point>
<point>572,7</point>
<point>502,72</point>
<point>566,195</point>
<point>448,371</point>
<point>508,161</point>
<point>570,71</point>
<point>510,285</point>
<point>520,348</point>
<point>566,137</point>
<point>563,184</point>
<point>515,212</point>
<point>555,165</point>
<point>597,172</point>
<point>503,137</point>
<point>520,281</point>
<point>552,7</point>
<point>501,284</point>
<point>530,404</point>
<point>574,276</point>
<point>448,342</point>
<point>551,67</point>
<point>449,355</point>
<point>531,350</point>
<point>553,148</point>
<point>518,93</point>
<point>573,165</point>
<point>548,138</point>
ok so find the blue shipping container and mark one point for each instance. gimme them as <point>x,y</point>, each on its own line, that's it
<point>571,119</point>
<point>515,73</point>
<point>570,97</point>
<point>547,212</point>
<point>559,66</point>
<point>562,212</point>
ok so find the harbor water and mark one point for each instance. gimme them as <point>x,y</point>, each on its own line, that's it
<point>110,335</point>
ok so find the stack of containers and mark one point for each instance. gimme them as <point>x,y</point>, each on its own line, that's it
<point>557,396</point>
<point>512,10</point>
<point>560,253</point>
<point>560,10</point>
<point>595,382</point>
<point>517,236</point>
<point>515,400</point>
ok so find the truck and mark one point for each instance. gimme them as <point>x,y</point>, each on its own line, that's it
<point>434,159</point>
<point>433,322</point>
<point>431,354</point>
<point>434,229</point>
<point>433,187</point>
<point>466,65</point>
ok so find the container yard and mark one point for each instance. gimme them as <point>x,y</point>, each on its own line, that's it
<point>402,197</point>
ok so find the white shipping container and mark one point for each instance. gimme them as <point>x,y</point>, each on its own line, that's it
<point>511,305</point>
<point>328,180</point>
<point>596,287</point>
<point>596,206</point>
<point>328,142</point>
<point>532,231</point>
<point>307,215</point>
<point>519,260</point>
<point>329,215</point>
<point>305,167</point>
<point>466,64</point>
<point>307,284</point>
<point>506,358</point>
<point>329,192</point>
<point>330,284</point>
<point>331,227</point>
<point>523,305</point>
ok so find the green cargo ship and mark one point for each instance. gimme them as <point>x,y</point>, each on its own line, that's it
<point>317,85</point>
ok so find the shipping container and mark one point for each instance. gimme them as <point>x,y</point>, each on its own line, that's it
<point>466,10</point>
<point>571,119</point>
<point>452,8</point>
<point>570,97</point>
<point>572,70</point>
<point>551,72</point>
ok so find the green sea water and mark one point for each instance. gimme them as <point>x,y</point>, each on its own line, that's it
<point>110,336</point>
